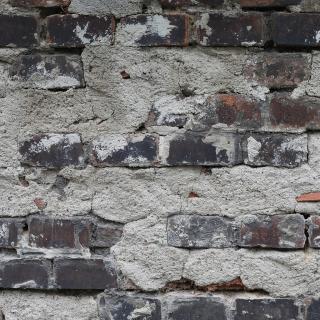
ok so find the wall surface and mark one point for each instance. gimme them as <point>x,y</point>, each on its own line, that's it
<point>159,159</point>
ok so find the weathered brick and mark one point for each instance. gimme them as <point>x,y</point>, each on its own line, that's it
<point>120,307</point>
<point>181,3</point>
<point>286,113</point>
<point>193,149</point>
<point>314,231</point>
<point>276,71</point>
<point>218,29</point>
<point>10,232</point>
<point>301,29</point>
<point>40,3</point>
<point>85,274</point>
<point>18,273</point>
<point>72,30</point>
<point>195,231</point>
<point>124,150</point>
<point>275,149</point>
<point>58,233</point>
<point>106,235</point>
<point>313,309</point>
<point>265,309</point>
<point>154,30</point>
<point>204,308</point>
<point>18,31</point>
<point>52,150</point>
<point>48,72</point>
<point>278,231</point>
<point>309,197</point>
<point>268,3</point>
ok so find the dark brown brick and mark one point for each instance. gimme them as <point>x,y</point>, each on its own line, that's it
<point>52,150</point>
<point>85,274</point>
<point>10,232</point>
<point>181,3</point>
<point>276,71</point>
<point>48,71</point>
<point>58,233</point>
<point>18,273</point>
<point>161,30</point>
<point>296,29</point>
<point>301,113</point>
<point>138,150</point>
<point>265,309</point>
<point>278,231</point>
<point>196,231</point>
<point>40,3</point>
<point>194,149</point>
<point>268,3</point>
<point>106,235</point>
<point>314,231</point>
<point>275,149</point>
<point>72,30</point>
<point>218,29</point>
<point>18,31</point>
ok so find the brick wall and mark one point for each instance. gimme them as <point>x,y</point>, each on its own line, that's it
<point>159,159</point>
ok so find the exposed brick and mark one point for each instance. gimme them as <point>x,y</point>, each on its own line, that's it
<point>301,29</point>
<point>58,233</point>
<point>195,231</point>
<point>193,149</point>
<point>180,3</point>
<point>124,150</point>
<point>268,3</point>
<point>49,72</point>
<point>217,29</point>
<point>27,273</point>
<point>203,308</point>
<point>106,235</point>
<point>278,231</point>
<point>314,231</point>
<point>286,112</point>
<point>40,3</point>
<point>10,232</point>
<point>18,31</point>
<point>309,197</point>
<point>275,149</point>
<point>85,274</point>
<point>266,309</point>
<point>313,309</point>
<point>120,307</point>
<point>72,30</point>
<point>52,150</point>
<point>276,71</point>
<point>154,30</point>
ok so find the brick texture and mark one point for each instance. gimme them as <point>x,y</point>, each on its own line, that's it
<point>40,3</point>
<point>10,232</point>
<point>268,3</point>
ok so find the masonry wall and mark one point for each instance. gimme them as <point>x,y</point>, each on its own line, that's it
<point>160,159</point>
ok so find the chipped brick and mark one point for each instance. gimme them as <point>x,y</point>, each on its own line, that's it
<point>309,197</point>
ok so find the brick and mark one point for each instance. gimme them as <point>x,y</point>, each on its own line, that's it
<point>313,309</point>
<point>275,149</point>
<point>204,308</point>
<point>301,113</point>
<point>49,72</point>
<point>52,150</point>
<point>124,150</point>
<point>277,71</point>
<point>181,3</point>
<point>314,231</point>
<point>278,231</point>
<point>120,307</point>
<point>40,3</point>
<point>265,309</point>
<point>154,30</point>
<point>301,29</point>
<point>218,29</point>
<point>309,197</point>
<point>58,233</point>
<point>193,149</point>
<point>26,274</point>
<point>72,30</point>
<point>195,231</point>
<point>106,235</point>
<point>10,232</point>
<point>18,31</point>
<point>93,274</point>
<point>268,3</point>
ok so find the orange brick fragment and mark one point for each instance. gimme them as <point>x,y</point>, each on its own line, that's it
<point>309,197</point>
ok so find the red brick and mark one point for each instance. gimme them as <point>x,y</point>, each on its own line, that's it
<point>296,29</point>
<point>40,3</point>
<point>268,3</point>
<point>72,30</point>
<point>309,197</point>
<point>218,29</point>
